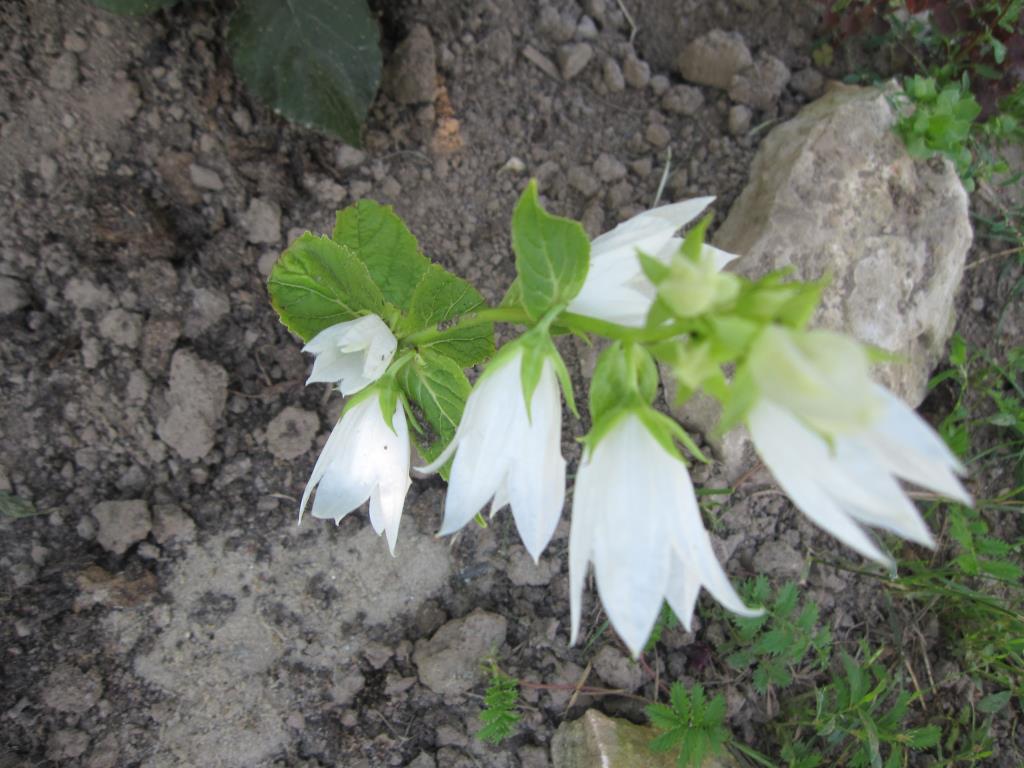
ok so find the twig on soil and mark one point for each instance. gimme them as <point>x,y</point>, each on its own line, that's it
<point>664,177</point>
<point>579,684</point>
<point>994,256</point>
<point>917,685</point>
<point>629,20</point>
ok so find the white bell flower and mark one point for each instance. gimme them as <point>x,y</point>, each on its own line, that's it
<point>616,289</point>
<point>635,516</point>
<point>364,459</point>
<point>506,456</point>
<point>836,442</point>
<point>353,354</point>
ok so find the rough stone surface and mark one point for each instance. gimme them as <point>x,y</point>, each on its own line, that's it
<point>205,178</point>
<point>636,71</point>
<point>291,433</point>
<point>809,82</point>
<point>779,559</point>
<point>412,73</point>
<point>448,663</point>
<point>617,669</point>
<point>760,85</point>
<point>121,328</point>
<point>834,192</point>
<point>682,100</point>
<point>573,58</point>
<point>739,119</point>
<point>714,59</point>
<point>598,740</point>
<point>13,295</point>
<point>196,399</point>
<point>121,524</point>
<point>68,689</point>
<point>614,80</point>
<point>262,222</point>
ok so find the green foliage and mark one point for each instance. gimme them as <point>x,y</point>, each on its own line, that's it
<point>437,385</point>
<point>499,717</point>
<point>941,122</point>
<point>690,725</point>
<point>15,506</point>
<point>318,283</point>
<point>317,62</point>
<point>552,255</point>
<point>134,7</point>
<point>439,298</point>
<point>772,644</point>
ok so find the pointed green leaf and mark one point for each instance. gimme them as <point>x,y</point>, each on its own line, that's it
<point>380,239</point>
<point>439,388</point>
<point>317,283</point>
<point>317,62</point>
<point>552,254</point>
<point>133,7</point>
<point>441,297</point>
<point>15,506</point>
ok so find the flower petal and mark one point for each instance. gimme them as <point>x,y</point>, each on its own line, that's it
<point>682,591</point>
<point>332,366</point>
<point>798,458</point>
<point>536,480</point>
<point>581,536</point>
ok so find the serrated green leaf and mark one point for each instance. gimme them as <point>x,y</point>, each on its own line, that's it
<point>440,297</point>
<point>317,62</point>
<point>317,283</point>
<point>380,239</point>
<point>15,506</point>
<point>438,386</point>
<point>133,7</point>
<point>552,254</point>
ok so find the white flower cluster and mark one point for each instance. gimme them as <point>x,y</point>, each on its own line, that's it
<point>835,441</point>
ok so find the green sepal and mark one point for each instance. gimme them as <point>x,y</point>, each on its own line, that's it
<point>625,374</point>
<point>439,387</point>
<point>537,348</point>
<point>653,269</point>
<point>318,283</point>
<point>441,297</point>
<point>380,239</point>
<point>740,398</point>
<point>389,394</point>
<point>552,254</point>
<point>731,336</point>
<point>667,431</point>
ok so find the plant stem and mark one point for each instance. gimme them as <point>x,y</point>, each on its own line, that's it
<point>489,315</point>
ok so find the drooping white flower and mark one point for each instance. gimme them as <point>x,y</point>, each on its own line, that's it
<point>616,288</point>
<point>836,442</point>
<point>635,516</point>
<point>508,456</point>
<point>364,459</point>
<point>353,354</point>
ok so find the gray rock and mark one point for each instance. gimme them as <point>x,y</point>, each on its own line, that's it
<point>347,684</point>
<point>13,295</point>
<point>583,181</point>
<point>262,222</point>
<point>659,84</point>
<point>348,157</point>
<point>614,80</point>
<point>739,119</point>
<point>523,572</point>
<point>204,178</point>
<point>411,76</point>
<point>63,74</point>
<point>586,29</point>
<point>760,85</point>
<point>809,82</point>
<point>596,739</point>
<point>657,135</point>
<point>714,59</point>
<point>121,328</point>
<point>208,307</point>
<point>636,71</point>
<point>608,169</point>
<point>67,744</point>
<point>69,689</point>
<point>291,433</point>
<point>557,27</point>
<point>423,760</point>
<point>573,59</point>
<point>617,669</point>
<point>170,523</point>
<point>196,399</point>
<point>777,558</point>
<point>449,662</point>
<point>121,524</point>
<point>682,100</point>
<point>834,192</point>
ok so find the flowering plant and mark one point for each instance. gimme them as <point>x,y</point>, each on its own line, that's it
<point>397,332</point>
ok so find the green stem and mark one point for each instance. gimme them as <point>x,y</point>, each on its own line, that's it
<point>618,332</point>
<point>490,315</point>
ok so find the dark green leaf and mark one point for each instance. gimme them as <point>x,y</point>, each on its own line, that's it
<point>380,239</point>
<point>15,506</point>
<point>317,283</point>
<point>552,254</point>
<point>133,7</point>
<point>994,702</point>
<point>317,62</point>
